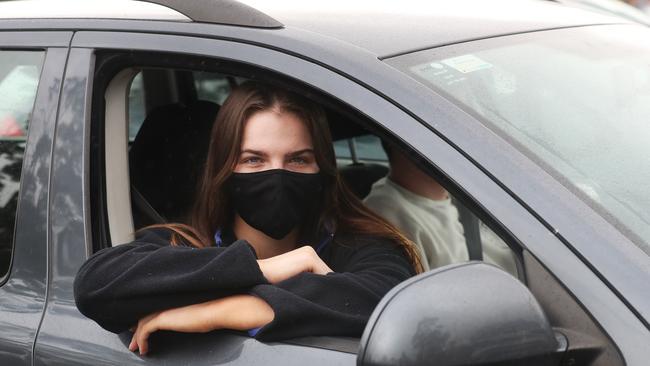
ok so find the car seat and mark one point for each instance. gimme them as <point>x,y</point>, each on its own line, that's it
<point>360,177</point>
<point>166,160</point>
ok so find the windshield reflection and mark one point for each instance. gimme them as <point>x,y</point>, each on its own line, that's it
<point>574,100</point>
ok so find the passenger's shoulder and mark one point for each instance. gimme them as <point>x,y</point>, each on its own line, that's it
<point>387,201</point>
<point>381,191</point>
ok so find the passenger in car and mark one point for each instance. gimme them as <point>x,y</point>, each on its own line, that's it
<point>419,206</point>
<point>277,245</point>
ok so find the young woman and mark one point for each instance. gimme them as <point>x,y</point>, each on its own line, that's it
<point>277,245</point>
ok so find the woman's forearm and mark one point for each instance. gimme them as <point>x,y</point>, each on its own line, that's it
<point>117,286</point>
<point>237,312</point>
<point>242,312</point>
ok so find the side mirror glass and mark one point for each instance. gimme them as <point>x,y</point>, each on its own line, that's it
<point>466,314</point>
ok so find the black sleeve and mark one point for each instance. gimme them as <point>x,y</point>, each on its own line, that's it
<point>338,303</point>
<point>119,285</point>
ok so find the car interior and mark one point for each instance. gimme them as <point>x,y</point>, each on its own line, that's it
<point>153,112</point>
<point>173,129</point>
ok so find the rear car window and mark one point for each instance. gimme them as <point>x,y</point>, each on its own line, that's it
<point>19,75</point>
<point>360,148</point>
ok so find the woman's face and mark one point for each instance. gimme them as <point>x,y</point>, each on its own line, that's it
<point>276,140</point>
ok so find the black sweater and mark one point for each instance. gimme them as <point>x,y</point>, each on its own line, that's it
<point>119,285</point>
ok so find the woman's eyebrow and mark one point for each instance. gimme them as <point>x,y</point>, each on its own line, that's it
<point>300,152</point>
<point>253,152</point>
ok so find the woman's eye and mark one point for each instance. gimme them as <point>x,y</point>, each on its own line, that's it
<point>252,160</point>
<point>298,160</point>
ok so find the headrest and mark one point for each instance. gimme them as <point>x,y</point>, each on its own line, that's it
<point>360,177</point>
<point>168,154</point>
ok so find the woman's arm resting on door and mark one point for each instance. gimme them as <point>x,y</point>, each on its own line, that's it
<point>238,312</point>
<point>118,286</point>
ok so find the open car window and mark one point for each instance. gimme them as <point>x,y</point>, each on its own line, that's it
<point>171,129</point>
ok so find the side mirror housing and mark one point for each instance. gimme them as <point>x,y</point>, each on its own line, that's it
<point>466,314</point>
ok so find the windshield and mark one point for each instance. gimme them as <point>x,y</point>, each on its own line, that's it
<point>575,100</point>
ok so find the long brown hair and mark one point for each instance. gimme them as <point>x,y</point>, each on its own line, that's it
<point>341,211</point>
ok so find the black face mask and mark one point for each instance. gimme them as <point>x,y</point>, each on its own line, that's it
<point>275,201</point>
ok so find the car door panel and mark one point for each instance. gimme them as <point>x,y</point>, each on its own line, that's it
<point>22,296</point>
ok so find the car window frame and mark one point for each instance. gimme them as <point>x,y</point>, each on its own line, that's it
<point>460,171</point>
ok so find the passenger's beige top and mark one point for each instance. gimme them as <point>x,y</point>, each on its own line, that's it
<point>431,224</point>
<point>434,227</point>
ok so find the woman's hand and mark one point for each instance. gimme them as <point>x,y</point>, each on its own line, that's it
<point>284,266</point>
<point>238,312</point>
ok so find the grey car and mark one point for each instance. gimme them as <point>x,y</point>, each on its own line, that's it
<point>534,118</point>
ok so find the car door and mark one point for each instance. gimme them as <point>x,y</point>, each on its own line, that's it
<point>31,69</point>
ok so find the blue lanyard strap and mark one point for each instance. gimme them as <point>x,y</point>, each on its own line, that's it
<point>323,243</point>
<point>217,238</point>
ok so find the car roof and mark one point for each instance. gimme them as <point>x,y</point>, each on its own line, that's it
<point>383,27</point>
<point>389,27</point>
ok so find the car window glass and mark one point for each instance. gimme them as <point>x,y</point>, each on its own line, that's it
<point>364,148</point>
<point>206,86</point>
<point>137,108</point>
<point>19,75</point>
<point>210,86</point>
<point>496,251</point>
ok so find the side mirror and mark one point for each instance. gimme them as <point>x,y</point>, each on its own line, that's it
<point>466,314</point>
